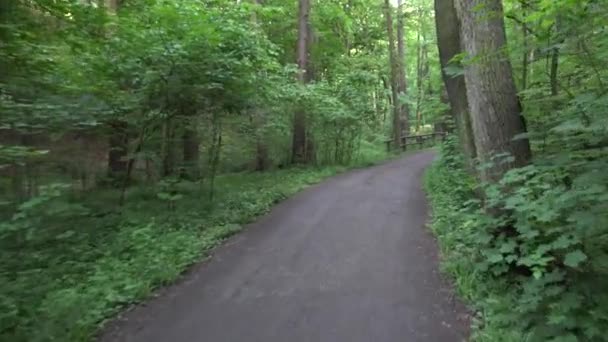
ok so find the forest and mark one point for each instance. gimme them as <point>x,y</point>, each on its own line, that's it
<point>137,135</point>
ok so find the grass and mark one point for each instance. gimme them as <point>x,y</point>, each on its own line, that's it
<point>72,261</point>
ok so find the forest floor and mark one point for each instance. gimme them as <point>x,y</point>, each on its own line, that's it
<point>348,259</point>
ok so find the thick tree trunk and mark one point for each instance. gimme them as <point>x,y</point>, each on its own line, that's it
<point>495,109</point>
<point>403,107</point>
<point>448,39</point>
<point>299,146</point>
<point>442,125</point>
<point>394,75</point>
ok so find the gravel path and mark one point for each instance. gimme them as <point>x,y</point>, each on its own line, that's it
<point>347,260</point>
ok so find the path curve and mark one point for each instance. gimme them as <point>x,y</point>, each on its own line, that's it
<point>347,260</point>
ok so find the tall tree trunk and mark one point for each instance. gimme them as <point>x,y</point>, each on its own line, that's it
<point>425,74</point>
<point>387,91</point>
<point>403,107</point>
<point>259,121</point>
<point>555,61</point>
<point>525,61</point>
<point>553,71</point>
<point>309,77</point>
<point>191,145</point>
<point>118,140</point>
<point>117,154</point>
<point>419,74</point>
<point>215,149</point>
<point>495,109</point>
<point>299,153</point>
<point>442,124</point>
<point>448,39</point>
<point>167,152</point>
<point>394,74</point>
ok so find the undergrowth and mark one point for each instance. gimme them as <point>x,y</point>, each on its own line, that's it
<point>535,270</point>
<point>69,262</point>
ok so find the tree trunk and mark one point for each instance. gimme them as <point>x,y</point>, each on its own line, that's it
<point>525,61</point>
<point>259,121</point>
<point>118,140</point>
<point>442,125</point>
<point>425,74</point>
<point>191,145</point>
<point>215,149</point>
<point>403,107</point>
<point>167,152</point>
<point>555,52</point>
<point>387,89</point>
<point>394,75</point>
<point>419,75</point>
<point>553,72</point>
<point>495,109</point>
<point>113,4</point>
<point>118,149</point>
<point>448,39</point>
<point>299,153</point>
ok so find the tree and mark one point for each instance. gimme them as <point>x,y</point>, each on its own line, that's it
<point>394,68</point>
<point>300,153</point>
<point>118,140</point>
<point>402,81</point>
<point>422,67</point>
<point>496,114</point>
<point>191,145</point>
<point>448,41</point>
<point>258,117</point>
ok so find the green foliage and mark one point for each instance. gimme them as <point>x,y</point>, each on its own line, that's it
<point>80,81</point>
<point>531,251</point>
<point>127,137</point>
<point>537,266</point>
<point>92,258</point>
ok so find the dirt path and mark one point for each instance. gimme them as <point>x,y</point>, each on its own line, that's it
<point>348,260</point>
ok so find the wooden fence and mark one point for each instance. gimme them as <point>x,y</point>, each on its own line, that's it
<point>416,140</point>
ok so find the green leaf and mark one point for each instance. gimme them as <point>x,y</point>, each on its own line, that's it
<point>574,259</point>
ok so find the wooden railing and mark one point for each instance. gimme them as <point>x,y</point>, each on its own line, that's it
<point>416,140</point>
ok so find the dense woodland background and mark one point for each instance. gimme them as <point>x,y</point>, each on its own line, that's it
<point>135,135</point>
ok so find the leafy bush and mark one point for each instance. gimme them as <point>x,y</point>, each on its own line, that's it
<point>70,262</point>
<point>536,268</point>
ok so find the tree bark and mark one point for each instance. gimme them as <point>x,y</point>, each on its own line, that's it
<point>118,140</point>
<point>553,72</point>
<point>259,121</point>
<point>191,145</point>
<point>555,62</point>
<point>117,153</point>
<point>422,69</point>
<point>394,75</point>
<point>167,152</point>
<point>495,109</point>
<point>448,40</point>
<point>403,107</point>
<point>299,148</point>
<point>525,61</point>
